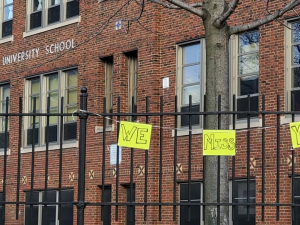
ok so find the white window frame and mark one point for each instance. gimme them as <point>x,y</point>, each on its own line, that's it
<point>179,85</point>
<point>234,84</point>
<point>45,26</point>
<point>2,129</point>
<point>10,37</point>
<point>132,78</point>
<point>201,201</point>
<point>62,92</point>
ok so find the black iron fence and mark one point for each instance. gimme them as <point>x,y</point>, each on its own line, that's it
<point>165,183</point>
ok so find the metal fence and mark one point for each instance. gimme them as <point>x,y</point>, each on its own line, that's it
<point>268,141</point>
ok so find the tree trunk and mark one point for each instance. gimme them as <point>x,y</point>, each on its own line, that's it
<point>217,83</point>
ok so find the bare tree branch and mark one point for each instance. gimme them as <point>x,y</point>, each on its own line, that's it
<point>173,6</point>
<point>267,19</point>
<point>231,7</point>
<point>190,8</point>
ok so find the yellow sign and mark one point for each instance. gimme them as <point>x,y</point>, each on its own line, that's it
<point>219,142</point>
<point>135,135</point>
<point>295,134</point>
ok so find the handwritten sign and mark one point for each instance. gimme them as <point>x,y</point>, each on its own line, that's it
<point>135,135</point>
<point>295,134</point>
<point>219,142</point>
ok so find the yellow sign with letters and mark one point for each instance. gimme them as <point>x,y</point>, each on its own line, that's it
<point>295,134</point>
<point>219,142</point>
<point>135,135</point>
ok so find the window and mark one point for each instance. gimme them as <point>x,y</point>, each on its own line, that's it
<point>4,94</point>
<point>45,12</point>
<point>296,201</point>
<point>6,18</point>
<point>130,210</point>
<point>106,210</point>
<point>246,71</point>
<point>132,82</point>
<point>293,65</point>
<point>49,215</point>
<point>1,210</point>
<point>53,86</point>
<point>240,196</point>
<point>190,79</point>
<point>195,210</point>
<point>108,62</point>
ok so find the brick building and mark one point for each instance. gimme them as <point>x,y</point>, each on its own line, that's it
<point>51,48</point>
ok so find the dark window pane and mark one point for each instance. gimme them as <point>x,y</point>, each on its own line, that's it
<point>2,138</point>
<point>70,131</point>
<point>67,210</point>
<point>296,94</point>
<point>52,133</point>
<point>1,210</point>
<point>29,136</point>
<point>72,8</point>
<point>296,77</point>
<point>194,215</point>
<point>297,187</point>
<point>195,191</point>
<point>54,14</point>
<point>297,212</point>
<point>33,215</point>
<point>35,20</point>
<point>106,210</point>
<point>6,28</point>
<point>51,196</point>
<point>195,119</point>
<point>248,85</point>
<point>130,210</point>
<point>242,105</point>
<point>49,214</point>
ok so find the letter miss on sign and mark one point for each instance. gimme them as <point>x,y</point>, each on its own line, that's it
<point>219,142</point>
<point>135,135</point>
<point>295,134</point>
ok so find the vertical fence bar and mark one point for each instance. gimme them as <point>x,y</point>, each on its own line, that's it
<point>118,162</point>
<point>278,157</point>
<point>5,153</point>
<point>293,163</point>
<point>160,155</point>
<point>233,213</point>
<point>103,154</point>
<point>60,156</point>
<point>19,159</point>
<point>83,115</point>
<point>32,159</point>
<point>263,159</point>
<point>190,158</point>
<point>46,162</point>
<point>219,165</point>
<point>203,159</point>
<point>146,165</point>
<point>175,160</point>
<point>133,117</point>
<point>248,156</point>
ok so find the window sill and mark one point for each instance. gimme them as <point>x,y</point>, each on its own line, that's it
<point>2,152</point>
<point>185,131</point>
<point>109,128</point>
<point>288,119</point>
<point>51,27</point>
<point>6,39</point>
<point>51,147</point>
<point>242,124</point>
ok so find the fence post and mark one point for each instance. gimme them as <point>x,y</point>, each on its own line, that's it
<point>82,155</point>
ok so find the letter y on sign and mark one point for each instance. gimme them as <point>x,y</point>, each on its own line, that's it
<point>295,134</point>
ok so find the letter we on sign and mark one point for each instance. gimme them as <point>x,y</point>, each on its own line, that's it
<point>219,142</point>
<point>135,135</point>
<point>295,134</point>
